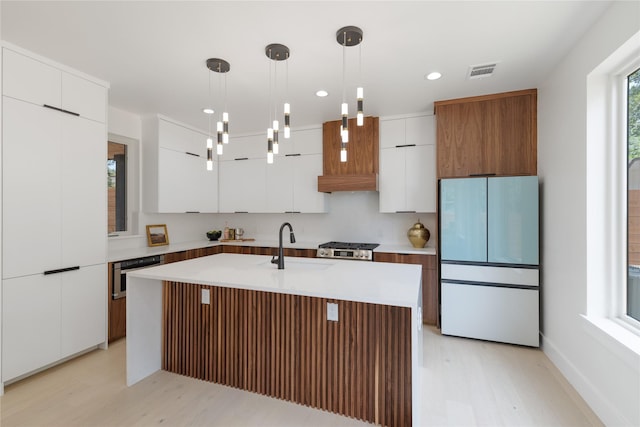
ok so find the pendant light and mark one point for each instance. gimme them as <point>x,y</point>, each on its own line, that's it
<point>208,110</point>
<point>220,66</point>
<point>276,52</point>
<point>347,37</point>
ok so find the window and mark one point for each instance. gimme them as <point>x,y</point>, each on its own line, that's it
<point>122,185</point>
<point>117,187</point>
<point>632,124</point>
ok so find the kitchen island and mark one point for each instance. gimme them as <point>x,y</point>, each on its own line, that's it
<point>238,320</point>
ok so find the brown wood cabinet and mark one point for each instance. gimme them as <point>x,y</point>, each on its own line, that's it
<point>282,345</point>
<point>360,170</point>
<point>429,280</point>
<point>487,135</point>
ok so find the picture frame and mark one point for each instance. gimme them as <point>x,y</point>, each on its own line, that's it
<point>157,235</point>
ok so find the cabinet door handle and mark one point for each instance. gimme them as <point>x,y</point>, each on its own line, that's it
<point>482,174</point>
<point>61,270</point>
<point>241,158</point>
<point>61,110</point>
<point>405,145</point>
<point>291,211</point>
<point>405,211</point>
<point>192,212</point>
<point>293,155</point>
<point>192,154</point>
<point>241,212</point>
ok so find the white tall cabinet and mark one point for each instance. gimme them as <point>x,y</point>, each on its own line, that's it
<point>54,213</point>
<point>176,179</point>
<point>407,177</point>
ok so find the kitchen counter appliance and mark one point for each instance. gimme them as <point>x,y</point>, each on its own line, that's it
<point>344,250</point>
<point>119,279</point>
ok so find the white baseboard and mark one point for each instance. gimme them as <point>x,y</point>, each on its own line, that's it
<point>594,398</point>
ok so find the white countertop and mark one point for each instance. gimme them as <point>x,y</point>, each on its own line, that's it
<point>129,253</point>
<point>370,282</point>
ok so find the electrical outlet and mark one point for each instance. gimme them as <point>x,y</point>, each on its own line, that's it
<point>332,311</point>
<point>205,298</point>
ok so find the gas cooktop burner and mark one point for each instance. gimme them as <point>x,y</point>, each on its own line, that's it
<point>345,250</point>
<point>346,245</point>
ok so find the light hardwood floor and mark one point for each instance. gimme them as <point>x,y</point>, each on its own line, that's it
<point>465,383</point>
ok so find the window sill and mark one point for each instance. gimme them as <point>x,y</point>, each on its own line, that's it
<point>619,339</point>
<point>123,236</point>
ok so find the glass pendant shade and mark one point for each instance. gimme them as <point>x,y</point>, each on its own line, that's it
<point>209,154</point>
<point>343,154</point>
<point>287,120</point>
<point>270,145</point>
<point>225,128</point>
<point>360,114</point>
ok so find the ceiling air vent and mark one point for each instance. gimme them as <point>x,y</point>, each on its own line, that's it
<point>481,71</point>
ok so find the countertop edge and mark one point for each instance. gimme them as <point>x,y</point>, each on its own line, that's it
<point>125,254</point>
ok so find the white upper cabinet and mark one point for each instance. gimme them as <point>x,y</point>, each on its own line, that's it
<point>175,177</point>
<point>243,185</point>
<point>248,146</point>
<point>249,184</point>
<point>34,81</point>
<point>407,178</point>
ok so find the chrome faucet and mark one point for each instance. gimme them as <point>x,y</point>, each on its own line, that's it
<point>292,239</point>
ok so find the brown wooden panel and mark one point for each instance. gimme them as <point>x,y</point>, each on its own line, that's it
<point>430,305</point>
<point>460,149</point>
<point>494,134</point>
<point>480,98</point>
<point>362,148</point>
<point>351,182</point>
<point>509,126</point>
<point>283,346</point>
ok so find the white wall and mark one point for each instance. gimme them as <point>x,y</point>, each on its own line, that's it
<point>353,216</point>
<point>606,375</point>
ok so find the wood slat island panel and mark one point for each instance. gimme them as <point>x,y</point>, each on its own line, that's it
<point>281,345</point>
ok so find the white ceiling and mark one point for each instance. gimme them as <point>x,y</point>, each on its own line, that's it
<point>153,53</point>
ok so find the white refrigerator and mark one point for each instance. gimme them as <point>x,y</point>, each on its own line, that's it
<point>489,267</point>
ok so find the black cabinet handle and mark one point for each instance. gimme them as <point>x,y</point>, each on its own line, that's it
<point>405,211</point>
<point>405,145</point>
<point>61,270</point>
<point>241,212</point>
<point>61,110</point>
<point>241,158</point>
<point>482,174</point>
<point>192,154</point>
<point>192,212</point>
<point>293,155</point>
<point>291,211</point>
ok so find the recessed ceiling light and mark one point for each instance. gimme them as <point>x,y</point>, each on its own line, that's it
<point>322,93</point>
<point>207,110</point>
<point>433,76</point>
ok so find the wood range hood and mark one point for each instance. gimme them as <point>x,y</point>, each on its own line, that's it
<point>360,171</point>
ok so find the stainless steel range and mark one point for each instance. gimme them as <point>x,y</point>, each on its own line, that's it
<point>344,250</point>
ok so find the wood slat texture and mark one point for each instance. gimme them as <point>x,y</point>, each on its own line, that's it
<point>282,346</point>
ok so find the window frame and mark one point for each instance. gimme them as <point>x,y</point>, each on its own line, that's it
<point>133,184</point>
<point>621,135</point>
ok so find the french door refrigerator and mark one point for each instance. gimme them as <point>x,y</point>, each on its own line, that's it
<point>489,258</point>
